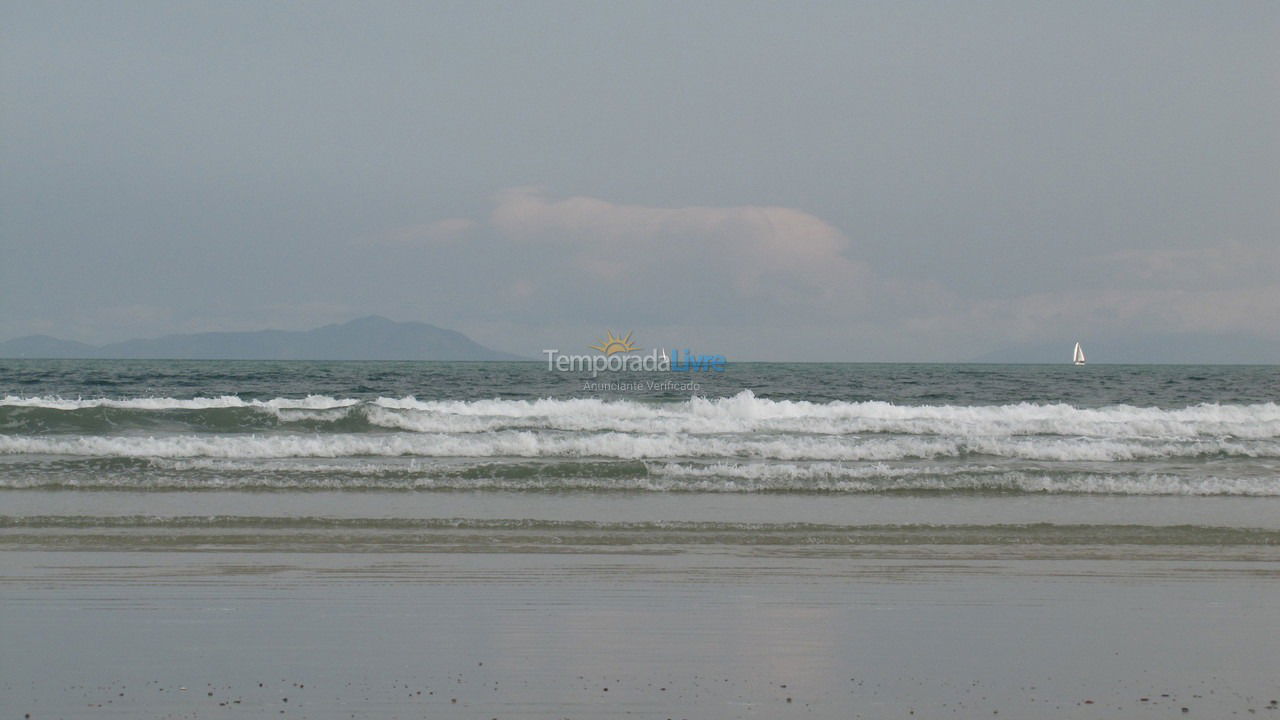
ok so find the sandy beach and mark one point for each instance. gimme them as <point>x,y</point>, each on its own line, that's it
<point>161,618</point>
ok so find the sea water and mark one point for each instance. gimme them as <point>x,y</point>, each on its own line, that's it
<point>778,428</point>
<point>781,451</point>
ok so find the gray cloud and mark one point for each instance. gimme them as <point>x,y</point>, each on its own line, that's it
<point>729,270</point>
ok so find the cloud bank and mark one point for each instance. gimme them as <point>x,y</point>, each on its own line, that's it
<point>544,267</point>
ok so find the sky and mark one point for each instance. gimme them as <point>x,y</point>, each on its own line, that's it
<point>860,181</point>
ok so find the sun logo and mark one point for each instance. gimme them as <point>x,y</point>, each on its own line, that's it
<point>613,345</point>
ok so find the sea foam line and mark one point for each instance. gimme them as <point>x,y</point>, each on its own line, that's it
<point>310,402</point>
<point>741,413</point>
<point>526,444</point>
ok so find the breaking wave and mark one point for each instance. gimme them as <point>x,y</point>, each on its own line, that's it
<point>742,413</point>
<point>542,444</point>
<point>741,443</point>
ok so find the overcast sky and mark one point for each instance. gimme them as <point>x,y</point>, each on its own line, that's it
<point>839,181</point>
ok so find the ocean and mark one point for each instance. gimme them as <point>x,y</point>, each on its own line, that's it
<point>739,538</point>
<point>756,428</point>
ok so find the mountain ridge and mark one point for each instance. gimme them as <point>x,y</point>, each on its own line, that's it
<point>368,338</point>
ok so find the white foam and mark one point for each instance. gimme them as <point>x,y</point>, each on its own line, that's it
<point>311,402</point>
<point>528,444</point>
<point>744,413</point>
<point>837,477</point>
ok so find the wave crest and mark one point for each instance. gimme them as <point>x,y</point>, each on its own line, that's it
<point>741,413</point>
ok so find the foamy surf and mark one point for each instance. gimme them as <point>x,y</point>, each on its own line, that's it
<point>605,475</point>
<point>810,429</point>
<point>741,413</point>
<point>544,444</point>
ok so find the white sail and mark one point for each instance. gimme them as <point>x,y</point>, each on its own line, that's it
<point>1078,356</point>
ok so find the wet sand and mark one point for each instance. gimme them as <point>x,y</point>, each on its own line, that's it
<point>669,630</point>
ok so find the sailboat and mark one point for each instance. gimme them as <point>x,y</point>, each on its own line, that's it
<point>1077,357</point>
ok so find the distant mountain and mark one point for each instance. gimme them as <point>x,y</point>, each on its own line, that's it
<point>43,346</point>
<point>368,338</point>
<point>1184,348</point>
